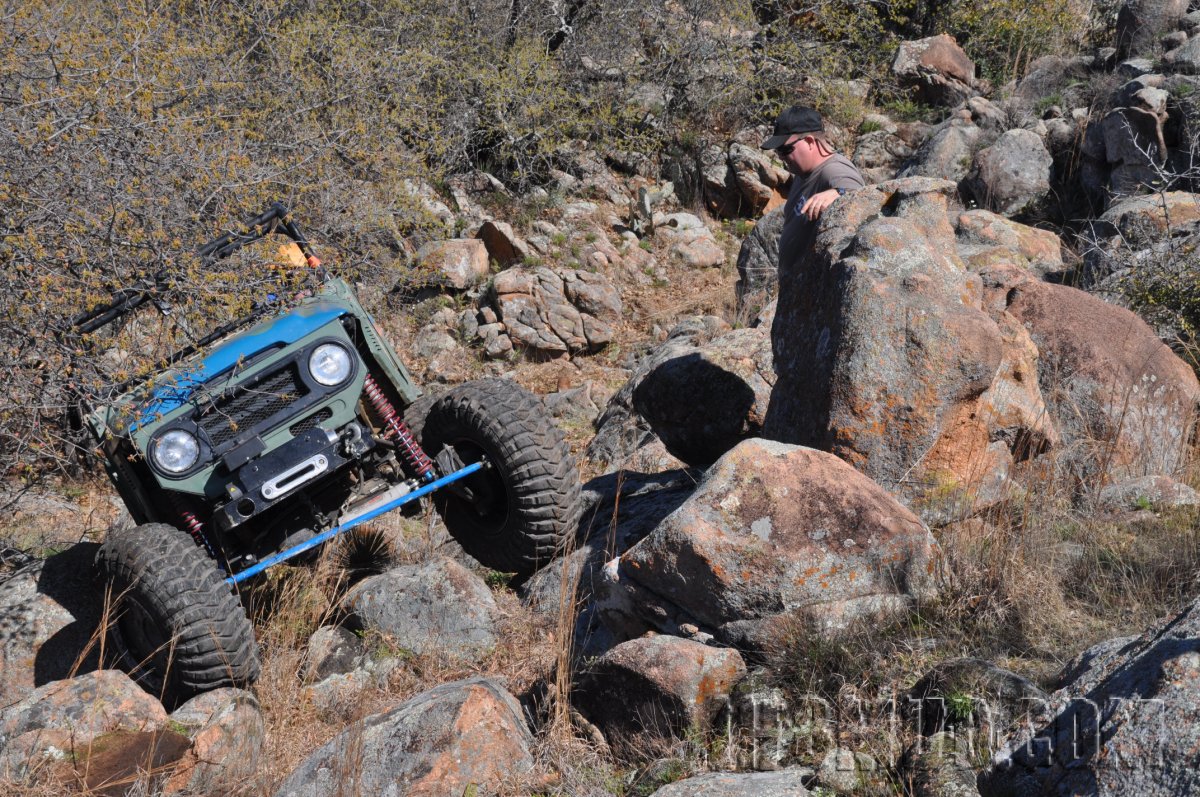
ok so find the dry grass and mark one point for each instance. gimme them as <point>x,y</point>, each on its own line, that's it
<point>1028,585</point>
<point>1043,583</point>
<point>306,598</point>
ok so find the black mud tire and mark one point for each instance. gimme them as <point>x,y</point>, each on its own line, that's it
<point>529,498</point>
<point>174,624</point>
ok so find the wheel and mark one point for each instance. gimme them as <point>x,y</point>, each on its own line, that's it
<point>515,515</point>
<point>175,625</point>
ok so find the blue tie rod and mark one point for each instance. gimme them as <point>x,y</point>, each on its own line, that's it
<point>324,536</point>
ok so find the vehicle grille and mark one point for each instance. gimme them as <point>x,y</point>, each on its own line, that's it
<point>311,422</point>
<point>251,406</point>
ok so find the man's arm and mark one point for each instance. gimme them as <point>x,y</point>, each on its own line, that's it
<point>844,178</point>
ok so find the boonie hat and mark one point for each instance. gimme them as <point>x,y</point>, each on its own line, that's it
<point>797,119</point>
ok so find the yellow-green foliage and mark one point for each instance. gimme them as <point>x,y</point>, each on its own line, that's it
<point>1002,36</point>
<point>1165,289</point>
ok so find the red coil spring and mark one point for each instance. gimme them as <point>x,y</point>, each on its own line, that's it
<point>192,525</point>
<point>414,457</point>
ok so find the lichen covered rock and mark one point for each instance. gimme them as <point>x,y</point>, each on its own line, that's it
<point>1125,721</point>
<point>668,686</point>
<point>438,743</point>
<point>773,530</point>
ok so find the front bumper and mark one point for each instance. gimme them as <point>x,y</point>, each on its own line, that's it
<point>270,479</point>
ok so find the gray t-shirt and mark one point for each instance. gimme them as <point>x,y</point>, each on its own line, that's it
<point>799,233</point>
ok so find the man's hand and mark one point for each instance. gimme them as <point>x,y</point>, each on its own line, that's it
<point>818,202</point>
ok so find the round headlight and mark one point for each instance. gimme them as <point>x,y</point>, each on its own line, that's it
<point>329,364</point>
<point>176,451</point>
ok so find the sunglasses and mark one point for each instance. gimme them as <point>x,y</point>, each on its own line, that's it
<point>786,149</point>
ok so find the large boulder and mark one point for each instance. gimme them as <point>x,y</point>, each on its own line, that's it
<point>1142,220</point>
<point>620,509</point>
<point>1122,401</point>
<point>984,239</point>
<point>704,400</point>
<point>555,311</point>
<point>1126,720</point>
<point>758,176</point>
<point>758,264</point>
<point>689,239</point>
<point>668,686</point>
<point>457,263</point>
<point>1062,75</point>
<point>947,153</point>
<point>502,243</point>
<point>105,732</point>
<point>772,530</point>
<point>1139,232</point>
<point>879,153</point>
<point>1132,136</point>
<point>620,430</point>
<point>332,650</point>
<point>1184,59</point>
<point>700,392</point>
<point>450,740</point>
<point>712,180</point>
<point>1154,492</point>
<point>1140,23</point>
<point>919,345</point>
<point>436,607</point>
<point>227,734</point>
<point>886,356</point>
<point>936,69</point>
<point>1012,176</point>
<point>948,150</point>
<point>740,179</point>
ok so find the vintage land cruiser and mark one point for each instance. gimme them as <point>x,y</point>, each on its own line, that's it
<point>269,436</point>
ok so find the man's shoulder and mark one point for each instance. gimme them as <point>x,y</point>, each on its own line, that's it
<point>839,166</point>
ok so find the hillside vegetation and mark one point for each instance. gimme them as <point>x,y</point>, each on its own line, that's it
<point>132,132</point>
<point>889,565</point>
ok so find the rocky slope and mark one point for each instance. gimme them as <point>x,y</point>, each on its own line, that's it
<point>805,496</point>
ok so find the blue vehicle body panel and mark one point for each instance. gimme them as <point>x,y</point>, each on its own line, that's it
<point>285,329</point>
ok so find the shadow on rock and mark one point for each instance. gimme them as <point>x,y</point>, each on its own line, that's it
<point>697,408</point>
<point>1123,721</point>
<point>630,504</point>
<point>67,579</point>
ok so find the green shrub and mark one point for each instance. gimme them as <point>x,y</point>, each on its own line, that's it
<point>1004,36</point>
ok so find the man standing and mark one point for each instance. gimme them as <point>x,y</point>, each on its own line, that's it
<point>821,176</point>
<point>804,334</point>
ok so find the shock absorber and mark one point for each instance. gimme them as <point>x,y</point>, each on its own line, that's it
<point>192,524</point>
<point>414,457</point>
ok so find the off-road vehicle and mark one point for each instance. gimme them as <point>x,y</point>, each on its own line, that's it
<point>272,434</point>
